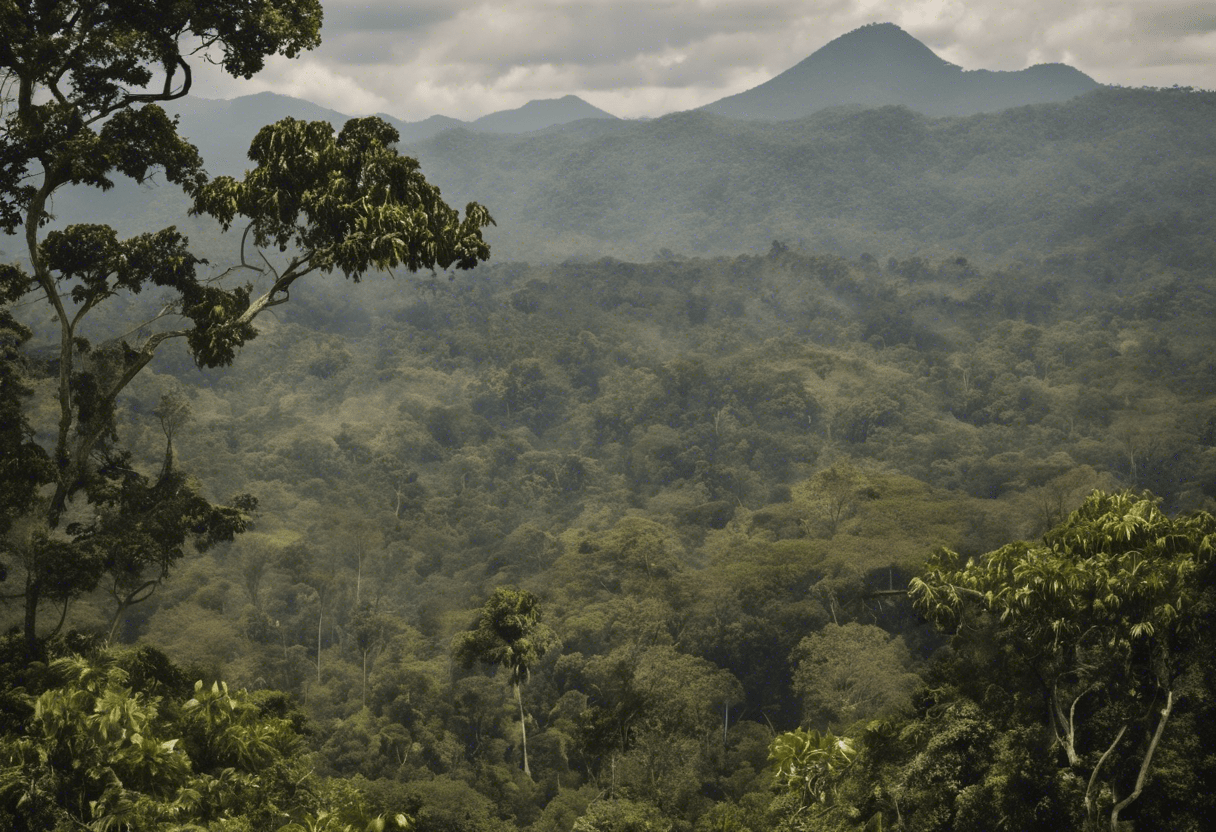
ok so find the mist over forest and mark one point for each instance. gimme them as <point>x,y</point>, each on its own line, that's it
<point>847,470</point>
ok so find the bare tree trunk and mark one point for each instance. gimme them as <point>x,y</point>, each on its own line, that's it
<point>1091,808</point>
<point>1144,764</point>
<point>523,729</point>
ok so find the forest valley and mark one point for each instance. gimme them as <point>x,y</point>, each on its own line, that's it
<point>780,541</point>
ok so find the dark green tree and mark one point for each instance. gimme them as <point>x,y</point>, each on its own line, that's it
<point>509,633</point>
<point>1102,610</point>
<point>24,464</point>
<point>80,87</point>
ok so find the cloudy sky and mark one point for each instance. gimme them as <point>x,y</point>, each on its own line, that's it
<point>463,58</point>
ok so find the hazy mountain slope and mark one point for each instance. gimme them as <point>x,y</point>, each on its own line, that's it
<point>1128,176</point>
<point>416,131</point>
<point>881,64</point>
<point>222,129</point>
<point>1133,170</point>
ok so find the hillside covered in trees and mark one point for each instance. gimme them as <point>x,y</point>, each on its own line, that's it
<point>898,520</point>
<point>705,470</point>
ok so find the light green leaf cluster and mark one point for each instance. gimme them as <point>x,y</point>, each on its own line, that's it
<point>1115,571</point>
<point>810,763</point>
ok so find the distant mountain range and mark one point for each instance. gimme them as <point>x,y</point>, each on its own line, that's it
<point>222,129</point>
<point>881,64</point>
<point>874,66</point>
<point>561,178</point>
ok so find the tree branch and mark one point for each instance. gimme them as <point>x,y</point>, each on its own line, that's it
<point>1144,764</point>
<point>167,309</point>
<point>167,93</point>
<point>69,476</point>
<point>1093,777</point>
<point>281,286</point>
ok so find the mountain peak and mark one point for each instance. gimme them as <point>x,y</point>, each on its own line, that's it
<point>881,37</point>
<point>539,114</point>
<point>880,64</point>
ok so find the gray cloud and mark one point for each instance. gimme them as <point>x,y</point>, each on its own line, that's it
<point>645,57</point>
<point>384,16</point>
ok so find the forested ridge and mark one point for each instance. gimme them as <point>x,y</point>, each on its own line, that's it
<point>324,520</point>
<point>1113,175</point>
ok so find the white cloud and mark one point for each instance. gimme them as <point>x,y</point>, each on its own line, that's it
<point>465,58</point>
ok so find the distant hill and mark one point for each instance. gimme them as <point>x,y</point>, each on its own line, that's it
<point>222,129</point>
<point>1127,173</point>
<point>537,115</point>
<point>416,131</point>
<point>881,64</point>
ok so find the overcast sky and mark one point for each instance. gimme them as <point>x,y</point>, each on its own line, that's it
<point>462,58</point>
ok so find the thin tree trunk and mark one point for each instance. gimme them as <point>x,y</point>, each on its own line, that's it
<point>320,618</point>
<point>523,729</point>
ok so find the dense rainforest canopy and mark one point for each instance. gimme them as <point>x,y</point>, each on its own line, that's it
<point>782,540</point>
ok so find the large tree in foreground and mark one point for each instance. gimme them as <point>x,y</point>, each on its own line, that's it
<point>80,87</point>
<point>1108,612</point>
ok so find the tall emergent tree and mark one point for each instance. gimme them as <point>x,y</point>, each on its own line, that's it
<point>1106,613</point>
<point>80,86</point>
<point>509,634</point>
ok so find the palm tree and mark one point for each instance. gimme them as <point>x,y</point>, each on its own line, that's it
<point>509,634</point>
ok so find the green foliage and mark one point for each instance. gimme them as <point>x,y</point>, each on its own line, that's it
<point>1101,612</point>
<point>349,202</point>
<point>622,815</point>
<point>851,673</point>
<point>700,465</point>
<point>509,634</point>
<point>114,743</point>
<point>96,59</point>
<point>81,105</point>
<point>24,464</point>
<point>1117,571</point>
<point>809,763</point>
